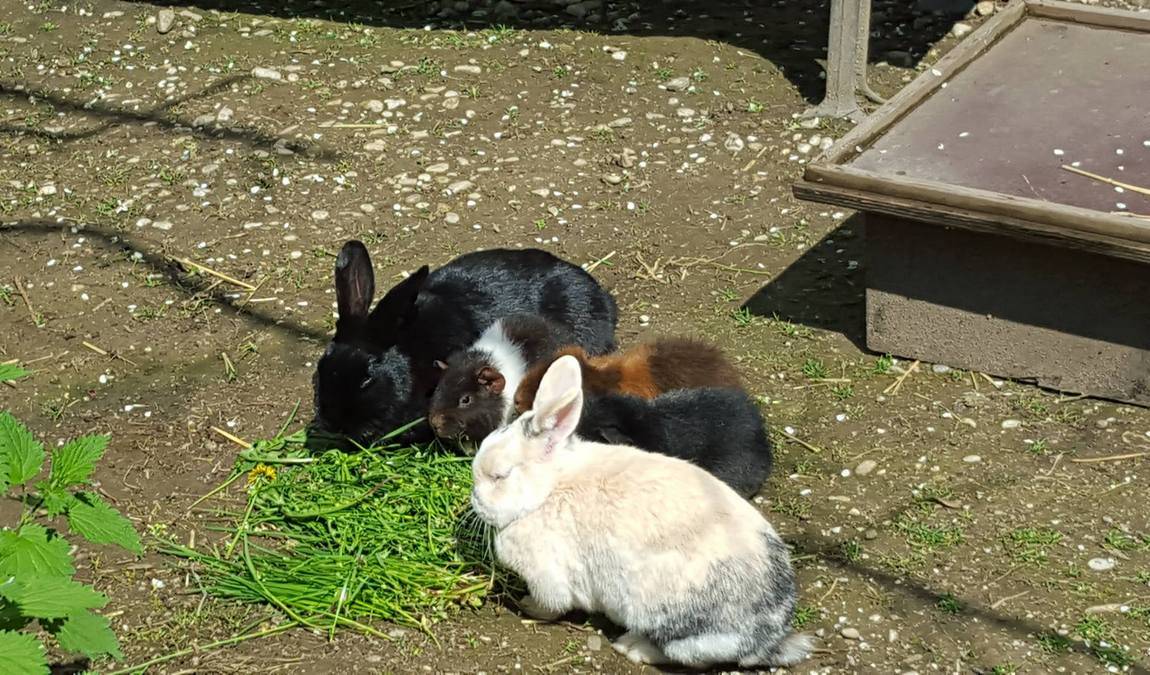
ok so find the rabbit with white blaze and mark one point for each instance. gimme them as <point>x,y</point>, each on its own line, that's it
<point>694,572</point>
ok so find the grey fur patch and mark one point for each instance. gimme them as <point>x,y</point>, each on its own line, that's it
<point>745,603</point>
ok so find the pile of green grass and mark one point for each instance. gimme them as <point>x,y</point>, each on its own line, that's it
<point>342,539</point>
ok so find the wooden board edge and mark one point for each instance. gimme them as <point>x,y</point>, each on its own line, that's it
<point>913,94</point>
<point>1102,17</point>
<point>975,220</point>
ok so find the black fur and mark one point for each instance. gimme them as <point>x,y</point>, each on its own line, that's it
<point>719,430</point>
<point>378,373</point>
<point>532,338</point>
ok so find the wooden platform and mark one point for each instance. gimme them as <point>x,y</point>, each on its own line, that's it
<point>988,247</point>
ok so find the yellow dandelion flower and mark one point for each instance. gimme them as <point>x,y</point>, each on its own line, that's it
<point>261,472</point>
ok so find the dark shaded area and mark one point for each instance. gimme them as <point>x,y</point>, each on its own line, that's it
<point>792,35</point>
<point>113,116</point>
<point>151,255</point>
<point>824,288</point>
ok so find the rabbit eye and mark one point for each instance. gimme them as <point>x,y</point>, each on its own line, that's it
<point>465,400</point>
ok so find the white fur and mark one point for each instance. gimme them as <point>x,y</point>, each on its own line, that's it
<point>612,529</point>
<point>507,359</point>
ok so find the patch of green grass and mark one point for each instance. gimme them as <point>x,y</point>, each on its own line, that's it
<point>1121,541</point>
<point>1031,545</point>
<point>10,372</point>
<point>1093,628</point>
<point>742,317</point>
<point>341,539</point>
<point>843,391</point>
<point>948,604</point>
<point>851,550</point>
<point>814,369</point>
<point>883,364</point>
<point>1039,446</point>
<point>1053,643</point>
<point>560,72</point>
<point>789,329</point>
<point>1113,655</point>
<point>794,507</point>
<point>664,74</point>
<point>804,616</point>
<point>754,105</point>
<point>1004,669</point>
<point>927,537</point>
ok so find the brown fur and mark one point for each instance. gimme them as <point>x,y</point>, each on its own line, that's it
<point>646,370</point>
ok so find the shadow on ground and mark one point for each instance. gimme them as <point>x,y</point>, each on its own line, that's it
<point>824,288</point>
<point>791,35</point>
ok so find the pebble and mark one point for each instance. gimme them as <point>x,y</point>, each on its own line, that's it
<point>870,535</point>
<point>460,186</point>
<point>619,122</point>
<point>865,467</point>
<point>619,55</point>
<point>165,20</point>
<point>468,69</point>
<point>734,142</point>
<point>595,643</point>
<point>685,112</point>
<point>266,73</point>
<point>850,633</point>
<point>393,103</point>
<point>541,192</point>
<point>48,190</point>
<point>612,179</point>
<point>1011,424</point>
<point>224,115</point>
<point>972,459</point>
<point>984,8</point>
<point>961,29</point>
<point>1101,564</point>
<point>376,146</point>
<point>940,368</point>
<point>677,84</point>
<point>319,214</point>
<point>439,167</point>
<point>374,105</point>
<point>451,218</point>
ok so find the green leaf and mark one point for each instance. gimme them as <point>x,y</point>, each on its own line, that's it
<point>25,454</point>
<point>57,500</point>
<point>93,519</point>
<point>88,634</point>
<point>29,552</point>
<point>10,372</point>
<point>73,462</point>
<point>50,597</point>
<point>22,653</point>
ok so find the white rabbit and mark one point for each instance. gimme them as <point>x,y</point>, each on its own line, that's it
<point>693,571</point>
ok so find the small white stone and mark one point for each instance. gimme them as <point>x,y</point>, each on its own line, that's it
<point>850,633</point>
<point>266,73</point>
<point>48,190</point>
<point>972,459</point>
<point>1059,152</point>
<point>451,218</point>
<point>865,467</point>
<point>961,29</point>
<point>643,318</point>
<point>1101,564</point>
<point>619,55</point>
<point>1011,424</point>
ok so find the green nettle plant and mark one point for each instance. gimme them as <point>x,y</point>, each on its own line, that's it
<point>36,584</point>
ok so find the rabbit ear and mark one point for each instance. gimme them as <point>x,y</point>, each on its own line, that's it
<point>354,282</point>
<point>559,401</point>
<point>397,307</point>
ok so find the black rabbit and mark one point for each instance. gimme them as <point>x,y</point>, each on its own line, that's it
<point>719,430</point>
<point>379,371</point>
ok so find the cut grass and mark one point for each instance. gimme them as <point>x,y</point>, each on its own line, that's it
<point>337,539</point>
<point>1030,545</point>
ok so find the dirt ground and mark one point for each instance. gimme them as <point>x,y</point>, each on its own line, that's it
<point>941,528</point>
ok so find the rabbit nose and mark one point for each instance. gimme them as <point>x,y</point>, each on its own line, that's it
<point>439,423</point>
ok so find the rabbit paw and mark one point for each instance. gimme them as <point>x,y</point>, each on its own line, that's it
<point>639,649</point>
<point>533,609</point>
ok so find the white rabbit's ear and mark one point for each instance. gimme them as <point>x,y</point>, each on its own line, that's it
<point>559,401</point>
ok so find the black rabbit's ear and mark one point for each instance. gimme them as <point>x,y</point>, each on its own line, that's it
<point>397,308</point>
<point>354,282</point>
